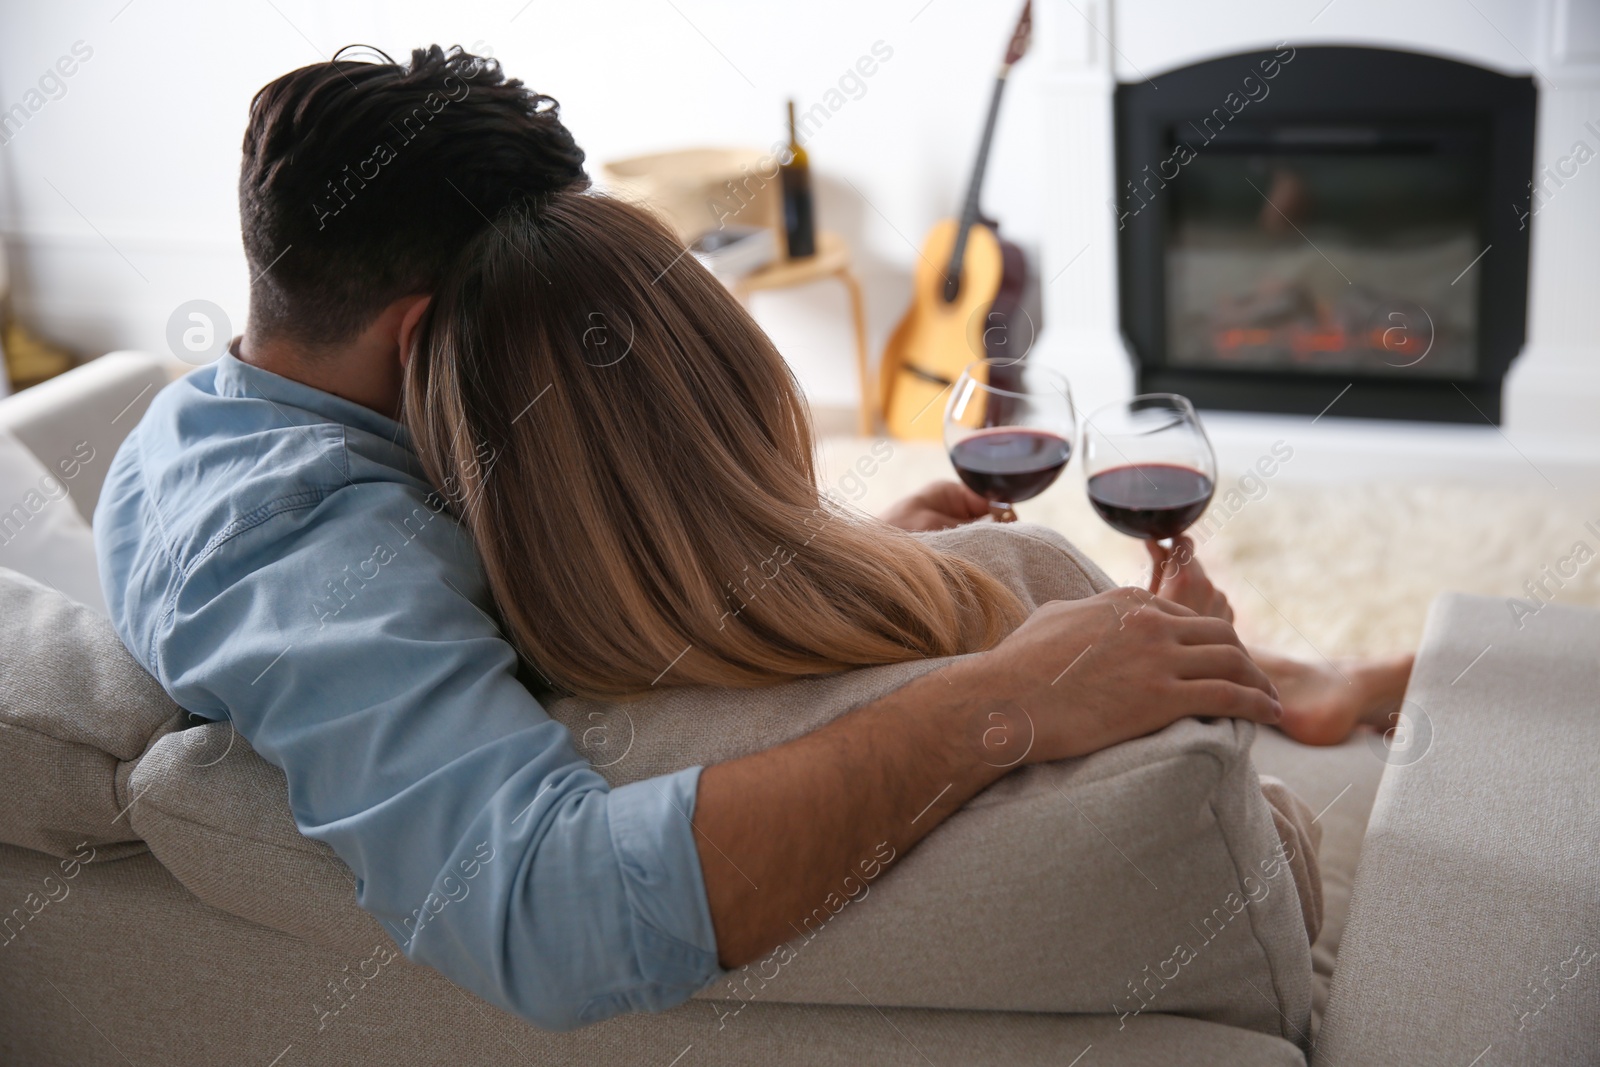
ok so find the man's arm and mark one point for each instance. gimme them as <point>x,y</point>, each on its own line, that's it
<point>780,831</point>
<point>347,640</point>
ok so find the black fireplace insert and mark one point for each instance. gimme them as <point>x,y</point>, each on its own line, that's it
<point>1299,221</point>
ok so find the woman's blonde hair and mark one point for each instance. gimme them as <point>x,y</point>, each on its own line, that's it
<point>635,463</point>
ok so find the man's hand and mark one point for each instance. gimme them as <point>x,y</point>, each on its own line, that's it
<point>1083,675</point>
<point>1176,575</point>
<point>938,506</point>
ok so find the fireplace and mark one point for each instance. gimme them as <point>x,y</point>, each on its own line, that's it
<point>1306,224</point>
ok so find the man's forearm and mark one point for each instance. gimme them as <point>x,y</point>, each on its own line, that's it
<point>779,832</point>
<point>783,831</point>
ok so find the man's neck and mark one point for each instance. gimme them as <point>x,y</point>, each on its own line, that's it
<point>364,371</point>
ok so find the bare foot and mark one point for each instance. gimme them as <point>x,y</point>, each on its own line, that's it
<point>1323,704</point>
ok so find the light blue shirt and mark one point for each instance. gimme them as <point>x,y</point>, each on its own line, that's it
<point>273,555</point>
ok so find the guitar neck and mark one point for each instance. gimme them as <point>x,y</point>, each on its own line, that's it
<point>969,207</point>
<point>969,210</point>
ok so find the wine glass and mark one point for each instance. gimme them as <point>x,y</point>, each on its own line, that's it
<point>1009,428</point>
<point>1150,467</point>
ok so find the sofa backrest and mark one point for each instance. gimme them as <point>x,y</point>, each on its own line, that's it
<point>1147,878</point>
<point>86,411</point>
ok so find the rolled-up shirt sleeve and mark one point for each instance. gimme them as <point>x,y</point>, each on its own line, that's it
<point>356,653</point>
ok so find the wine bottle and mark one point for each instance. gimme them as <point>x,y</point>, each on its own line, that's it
<point>799,226</point>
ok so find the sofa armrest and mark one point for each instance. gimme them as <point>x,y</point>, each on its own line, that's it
<point>75,712</point>
<point>1147,877</point>
<point>97,403</point>
<point>1475,917</point>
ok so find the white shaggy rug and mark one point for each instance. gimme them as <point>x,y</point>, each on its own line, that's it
<point>1311,569</point>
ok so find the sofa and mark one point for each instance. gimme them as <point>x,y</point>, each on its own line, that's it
<point>158,906</point>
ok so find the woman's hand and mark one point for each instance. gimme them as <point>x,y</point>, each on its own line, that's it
<point>1176,575</point>
<point>937,506</point>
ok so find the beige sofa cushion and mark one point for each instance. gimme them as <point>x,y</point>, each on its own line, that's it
<point>217,815</point>
<point>1337,783</point>
<point>1065,887</point>
<point>1297,829</point>
<point>74,709</point>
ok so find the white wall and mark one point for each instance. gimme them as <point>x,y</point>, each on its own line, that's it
<point>117,199</point>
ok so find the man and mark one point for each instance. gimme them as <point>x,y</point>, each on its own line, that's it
<point>272,554</point>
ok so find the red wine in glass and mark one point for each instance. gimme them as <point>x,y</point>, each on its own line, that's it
<point>1010,464</point>
<point>1150,500</point>
<point>1151,470</point>
<point>1008,429</point>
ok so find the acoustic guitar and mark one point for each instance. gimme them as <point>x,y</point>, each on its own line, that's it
<point>967,286</point>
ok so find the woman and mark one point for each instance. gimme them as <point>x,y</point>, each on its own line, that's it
<point>635,462</point>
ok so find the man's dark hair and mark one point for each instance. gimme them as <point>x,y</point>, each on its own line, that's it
<point>362,180</point>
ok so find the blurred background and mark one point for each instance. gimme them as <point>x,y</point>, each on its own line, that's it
<point>117,199</point>
<point>117,206</point>
<point>117,193</point>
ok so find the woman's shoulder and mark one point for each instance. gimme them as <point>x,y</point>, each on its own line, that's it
<point>670,728</point>
<point>1036,562</point>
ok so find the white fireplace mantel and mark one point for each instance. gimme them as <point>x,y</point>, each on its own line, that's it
<point>1551,430</point>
